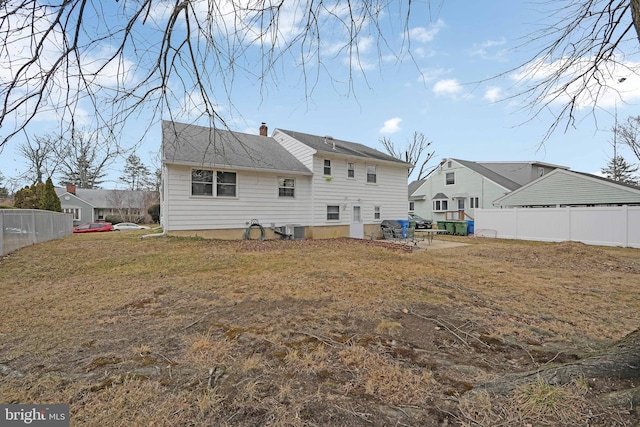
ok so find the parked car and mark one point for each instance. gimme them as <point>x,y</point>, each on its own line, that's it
<point>93,227</point>
<point>129,226</point>
<point>421,223</point>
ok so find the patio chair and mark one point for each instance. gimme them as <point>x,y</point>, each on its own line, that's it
<point>411,236</point>
<point>388,234</point>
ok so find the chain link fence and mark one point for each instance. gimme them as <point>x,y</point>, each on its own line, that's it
<point>23,227</point>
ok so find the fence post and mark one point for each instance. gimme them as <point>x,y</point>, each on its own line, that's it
<point>1,232</point>
<point>569,233</point>
<point>625,211</point>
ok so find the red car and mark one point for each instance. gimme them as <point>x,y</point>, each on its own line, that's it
<point>93,227</point>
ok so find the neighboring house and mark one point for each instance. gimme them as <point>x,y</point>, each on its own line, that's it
<point>414,195</point>
<point>89,205</point>
<point>561,188</point>
<point>457,187</point>
<point>216,182</point>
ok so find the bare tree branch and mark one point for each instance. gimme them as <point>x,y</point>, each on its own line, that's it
<point>98,65</point>
<point>412,153</point>
<point>577,59</point>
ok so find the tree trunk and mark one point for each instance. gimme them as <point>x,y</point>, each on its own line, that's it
<point>620,361</point>
<point>635,15</point>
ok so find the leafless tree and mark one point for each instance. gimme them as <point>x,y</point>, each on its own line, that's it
<point>132,205</point>
<point>579,58</point>
<point>40,153</point>
<point>129,204</point>
<point>628,133</point>
<point>415,152</point>
<point>84,158</point>
<point>100,64</point>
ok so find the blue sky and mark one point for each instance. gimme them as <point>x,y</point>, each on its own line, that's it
<point>447,92</point>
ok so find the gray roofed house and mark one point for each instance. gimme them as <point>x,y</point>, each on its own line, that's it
<point>331,145</point>
<point>201,146</point>
<point>217,183</point>
<point>413,186</point>
<point>457,187</point>
<point>481,169</point>
<point>92,205</point>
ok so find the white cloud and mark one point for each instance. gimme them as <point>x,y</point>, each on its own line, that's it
<point>486,49</point>
<point>391,126</point>
<point>425,35</point>
<point>432,74</point>
<point>605,92</point>
<point>446,87</point>
<point>493,94</point>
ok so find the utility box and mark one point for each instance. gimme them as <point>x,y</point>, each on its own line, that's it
<point>295,231</point>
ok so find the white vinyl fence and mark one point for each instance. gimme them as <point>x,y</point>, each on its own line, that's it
<point>23,227</point>
<point>605,226</point>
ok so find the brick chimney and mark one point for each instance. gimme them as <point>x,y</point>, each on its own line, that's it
<point>71,188</point>
<point>263,129</point>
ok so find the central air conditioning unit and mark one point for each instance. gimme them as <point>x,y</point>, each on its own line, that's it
<point>296,231</point>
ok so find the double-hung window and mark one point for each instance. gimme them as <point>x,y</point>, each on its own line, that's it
<point>286,187</point>
<point>450,178</point>
<point>351,170</point>
<point>333,213</point>
<point>372,174</point>
<point>376,212</point>
<point>202,183</point>
<point>327,167</point>
<point>226,184</point>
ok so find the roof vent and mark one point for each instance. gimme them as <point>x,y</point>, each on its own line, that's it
<point>328,137</point>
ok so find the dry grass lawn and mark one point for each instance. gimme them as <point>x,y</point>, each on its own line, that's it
<point>177,332</point>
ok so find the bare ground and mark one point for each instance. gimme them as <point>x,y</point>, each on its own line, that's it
<point>168,331</point>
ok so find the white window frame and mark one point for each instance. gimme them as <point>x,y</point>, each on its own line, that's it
<point>285,190</point>
<point>446,178</point>
<point>412,206</point>
<point>74,212</point>
<point>206,183</point>
<point>331,212</point>
<point>377,213</point>
<point>372,178</point>
<point>217,186</point>
<point>474,202</point>
<point>440,205</point>
<point>220,185</point>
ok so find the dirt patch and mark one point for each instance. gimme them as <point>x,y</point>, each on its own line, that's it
<point>341,332</point>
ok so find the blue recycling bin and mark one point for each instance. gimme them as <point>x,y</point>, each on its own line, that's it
<point>405,227</point>
<point>470,226</point>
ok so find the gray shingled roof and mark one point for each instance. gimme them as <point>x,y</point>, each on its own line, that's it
<point>202,146</point>
<point>489,174</point>
<point>413,186</point>
<point>326,144</point>
<point>99,198</point>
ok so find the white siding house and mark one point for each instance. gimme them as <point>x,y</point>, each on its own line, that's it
<point>457,187</point>
<point>216,182</point>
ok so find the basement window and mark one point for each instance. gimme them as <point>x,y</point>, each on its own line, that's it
<point>333,213</point>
